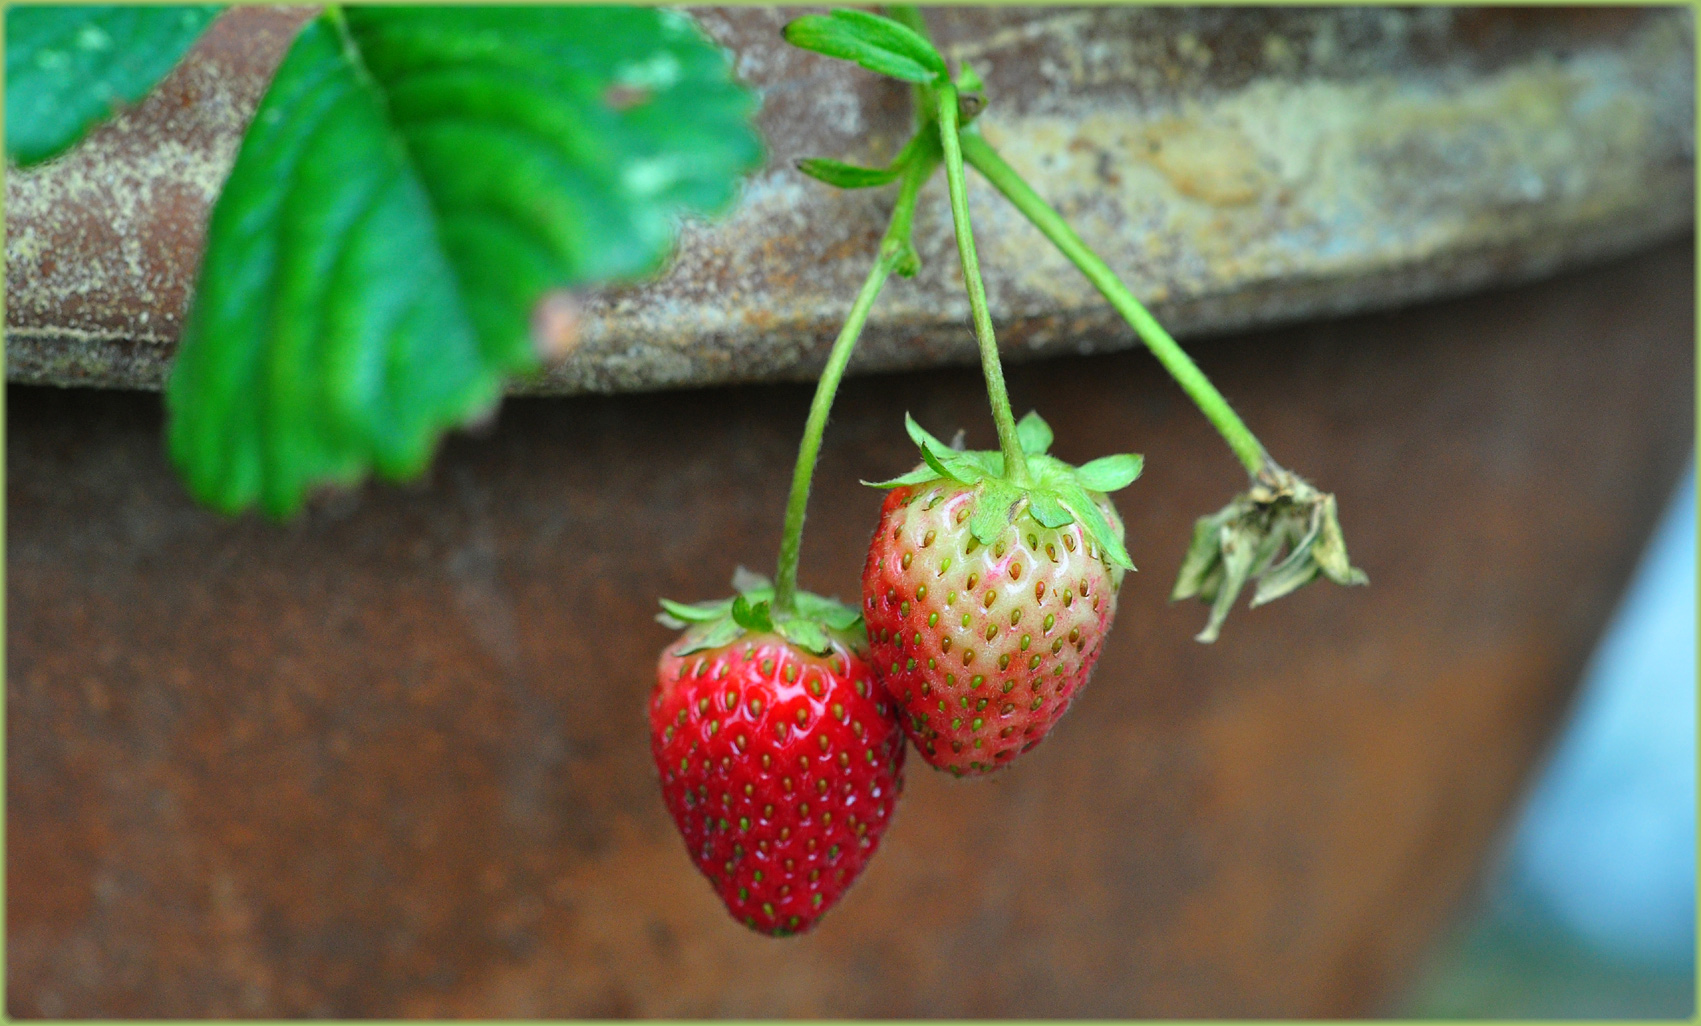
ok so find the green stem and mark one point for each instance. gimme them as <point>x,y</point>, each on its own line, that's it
<point>894,248</point>
<point>983,158</point>
<point>1015,463</point>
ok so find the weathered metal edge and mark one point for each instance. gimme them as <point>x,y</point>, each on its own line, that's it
<point>795,353</point>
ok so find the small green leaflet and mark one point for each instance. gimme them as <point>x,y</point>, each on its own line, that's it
<point>968,79</point>
<point>806,634</point>
<point>723,632</point>
<point>920,475</point>
<point>1078,502</point>
<point>413,182</point>
<point>752,616</point>
<point>847,176</point>
<point>678,614</point>
<point>995,509</point>
<point>852,176</point>
<point>944,461</point>
<point>714,624</point>
<point>836,615</point>
<point>1110,473</point>
<point>1034,434</point>
<point>1048,511</point>
<point>879,44</point>
<point>68,67</point>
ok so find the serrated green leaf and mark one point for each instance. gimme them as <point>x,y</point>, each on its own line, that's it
<point>700,612</point>
<point>807,634</point>
<point>1094,524</point>
<point>69,67</point>
<point>1109,473</point>
<point>847,176</point>
<point>992,510</point>
<point>879,44</point>
<point>724,632</point>
<point>413,181</point>
<point>1034,434</point>
<point>1047,510</point>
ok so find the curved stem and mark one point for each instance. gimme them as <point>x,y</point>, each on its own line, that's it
<point>1187,374</point>
<point>1015,463</point>
<point>894,248</point>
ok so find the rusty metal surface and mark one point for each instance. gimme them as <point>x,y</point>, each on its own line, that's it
<point>1237,167</point>
<point>391,760</point>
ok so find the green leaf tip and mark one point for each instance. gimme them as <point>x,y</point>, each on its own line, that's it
<point>847,176</point>
<point>877,43</point>
<point>1282,533</point>
<point>968,79</point>
<point>679,615</point>
<point>1111,473</point>
<point>375,257</point>
<point>70,67</point>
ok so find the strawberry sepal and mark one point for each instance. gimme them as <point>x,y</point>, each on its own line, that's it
<point>1055,495</point>
<point>816,626</point>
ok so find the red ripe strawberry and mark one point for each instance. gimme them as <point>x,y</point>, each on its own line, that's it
<point>987,602</point>
<point>781,761</point>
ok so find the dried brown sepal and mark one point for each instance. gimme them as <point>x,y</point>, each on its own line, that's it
<point>1281,533</point>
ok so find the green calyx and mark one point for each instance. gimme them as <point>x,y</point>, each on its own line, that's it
<point>1282,533</point>
<point>1055,494</point>
<point>815,625</point>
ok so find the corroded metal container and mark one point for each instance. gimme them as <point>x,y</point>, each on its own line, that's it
<point>391,759</point>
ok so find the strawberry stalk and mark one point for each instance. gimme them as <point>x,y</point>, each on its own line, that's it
<point>983,158</point>
<point>1015,462</point>
<point>896,254</point>
<point>1282,532</point>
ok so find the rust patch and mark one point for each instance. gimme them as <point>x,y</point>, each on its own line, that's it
<point>391,760</point>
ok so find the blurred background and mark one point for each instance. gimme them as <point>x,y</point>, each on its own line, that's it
<point>1588,911</point>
